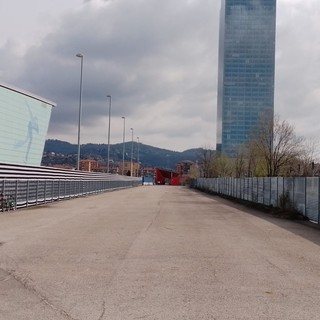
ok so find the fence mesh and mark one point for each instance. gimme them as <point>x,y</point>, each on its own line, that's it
<point>24,186</point>
<point>300,193</point>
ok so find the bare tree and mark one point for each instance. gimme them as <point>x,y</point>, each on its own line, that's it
<point>305,164</point>
<point>240,163</point>
<point>215,164</point>
<point>276,145</point>
<point>206,162</point>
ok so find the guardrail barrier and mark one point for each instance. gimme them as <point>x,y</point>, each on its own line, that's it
<point>24,186</point>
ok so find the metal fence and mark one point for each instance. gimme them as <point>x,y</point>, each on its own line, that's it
<point>22,186</point>
<point>303,193</point>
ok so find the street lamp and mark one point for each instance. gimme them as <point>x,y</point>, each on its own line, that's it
<point>79,55</point>
<point>138,157</point>
<point>108,165</point>
<point>123,142</point>
<point>131,165</point>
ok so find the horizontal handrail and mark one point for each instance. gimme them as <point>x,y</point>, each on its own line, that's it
<point>27,186</point>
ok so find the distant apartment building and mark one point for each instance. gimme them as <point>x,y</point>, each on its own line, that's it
<point>246,70</point>
<point>184,167</point>
<point>184,170</point>
<point>24,123</point>
<point>88,165</point>
<point>128,167</point>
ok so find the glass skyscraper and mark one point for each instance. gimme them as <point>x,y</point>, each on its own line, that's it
<point>246,70</point>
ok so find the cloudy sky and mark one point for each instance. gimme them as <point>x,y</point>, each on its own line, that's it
<point>158,61</point>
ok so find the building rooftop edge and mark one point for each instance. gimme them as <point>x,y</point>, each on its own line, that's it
<point>26,93</point>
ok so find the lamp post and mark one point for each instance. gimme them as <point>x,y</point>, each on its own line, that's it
<point>138,157</point>
<point>79,55</point>
<point>108,165</point>
<point>131,164</point>
<point>123,142</point>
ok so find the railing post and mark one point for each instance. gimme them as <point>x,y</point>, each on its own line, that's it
<point>318,200</point>
<point>4,187</point>
<point>252,193</point>
<point>270,182</point>
<point>27,195</point>
<point>52,191</point>
<point>263,190</point>
<point>277,193</point>
<point>16,196</point>
<point>45,191</point>
<point>293,190</point>
<point>305,196</point>
<point>37,192</point>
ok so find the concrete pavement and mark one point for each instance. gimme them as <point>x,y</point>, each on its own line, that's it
<point>156,252</point>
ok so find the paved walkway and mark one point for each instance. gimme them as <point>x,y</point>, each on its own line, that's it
<point>156,252</point>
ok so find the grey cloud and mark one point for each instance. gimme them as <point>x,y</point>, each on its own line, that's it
<point>143,53</point>
<point>158,60</point>
<point>297,79</point>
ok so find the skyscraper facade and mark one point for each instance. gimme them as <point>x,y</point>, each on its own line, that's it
<point>246,70</point>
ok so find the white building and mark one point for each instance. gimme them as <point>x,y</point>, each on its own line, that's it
<point>24,121</point>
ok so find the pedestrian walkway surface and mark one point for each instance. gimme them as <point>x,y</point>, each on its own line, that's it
<point>156,252</point>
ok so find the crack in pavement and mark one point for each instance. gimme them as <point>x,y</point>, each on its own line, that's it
<point>25,282</point>
<point>122,258</point>
<point>103,310</point>
<point>154,218</point>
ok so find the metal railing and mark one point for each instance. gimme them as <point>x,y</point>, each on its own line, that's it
<point>302,193</point>
<point>22,186</point>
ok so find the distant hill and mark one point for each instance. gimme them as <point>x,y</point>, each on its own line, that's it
<point>61,152</point>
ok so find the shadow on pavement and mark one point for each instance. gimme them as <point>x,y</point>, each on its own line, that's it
<point>306,229</point>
